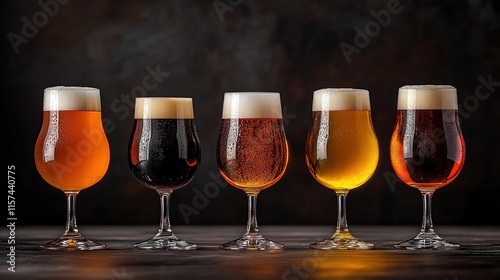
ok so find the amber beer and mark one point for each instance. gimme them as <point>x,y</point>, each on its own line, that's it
<point>72,152</point>
<point>252,155</point>
<point>252,148</point>
<point>427,147</point>
<point>164,149</point>
<point>342,148</point>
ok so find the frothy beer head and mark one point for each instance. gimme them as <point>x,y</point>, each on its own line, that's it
<point>163,108</point>
<point>251,105</point>
<point>427,97</point>
<point>62,98</point>
<point>337,99</point>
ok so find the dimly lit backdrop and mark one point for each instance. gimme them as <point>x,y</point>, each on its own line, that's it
<point>201,49</point>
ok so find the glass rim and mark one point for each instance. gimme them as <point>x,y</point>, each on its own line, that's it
<point>163,108</point>
<point>341,99</point>
<point>251,104</point>
<point>341,90</point>
<point>163,98</point>
<point>71,98</point>
<point>251,93</point>
<point>427,97</point>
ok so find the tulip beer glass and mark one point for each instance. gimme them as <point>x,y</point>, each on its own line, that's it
<point>72,152</point>
<point>341,152</point>
<point>164,155</point>
<point>252,155</point>
<point>427,150</point>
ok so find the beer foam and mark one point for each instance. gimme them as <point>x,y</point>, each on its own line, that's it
<point>430,97</point>
<point>61,98</point>
<point>337,99</point>
<point>251,105</point>
<point>164,108</point>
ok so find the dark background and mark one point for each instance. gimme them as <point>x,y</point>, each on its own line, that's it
<point>291,47</point>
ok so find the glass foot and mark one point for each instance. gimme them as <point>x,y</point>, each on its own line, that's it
<point>252,242</point>
<point>73,242</point>
<point>427,241</point>
<point>167,243</point>
<point>342,241</point>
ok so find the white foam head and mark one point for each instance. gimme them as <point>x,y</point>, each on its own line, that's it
<point>338,99</point>
<point>251,105</point>
<point>429,97</point>
<point>164,108</point>
<point>62,98</point>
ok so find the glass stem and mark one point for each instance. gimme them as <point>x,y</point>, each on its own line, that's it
<point>427,227</point>
<point>165,228</point>
<point>342,228</point>
<point>252,228</point>
<point>71,228</point>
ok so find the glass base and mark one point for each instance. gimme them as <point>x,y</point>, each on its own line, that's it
<point>427,241</point>
<point>73,242</point>
<point>167,243</point>
<point>252,242</point>
<point>342,241</point>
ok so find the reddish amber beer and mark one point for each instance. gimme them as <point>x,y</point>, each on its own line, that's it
<point>72,152</point>
<point>427,149</point>
<point>252,154</point>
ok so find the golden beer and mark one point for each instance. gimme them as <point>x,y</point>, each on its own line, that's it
<point>341,152</point>
<point>342,149</point>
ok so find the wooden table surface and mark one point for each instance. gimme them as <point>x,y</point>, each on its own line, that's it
<point>479,257</point>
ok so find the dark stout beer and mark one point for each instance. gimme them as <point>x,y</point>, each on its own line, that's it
<point>164,153</point>
<point>164,150</point>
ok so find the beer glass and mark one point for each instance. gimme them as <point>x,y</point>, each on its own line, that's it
<point>341,152</point>
<point>164,155</point>
<point>427,150</point>
<point>252,155</point>
<point>72,152</point>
